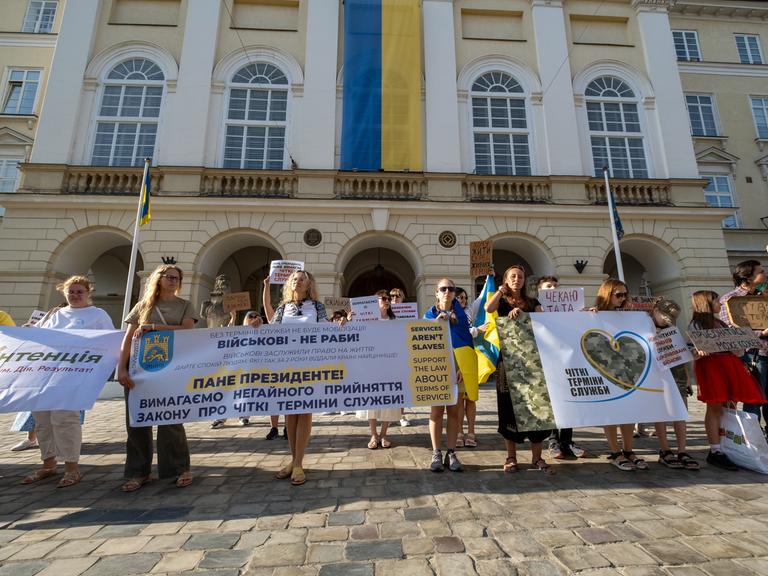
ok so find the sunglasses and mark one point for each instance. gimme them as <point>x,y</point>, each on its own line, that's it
<point>620,294</point>
<point>447,288</point>
<point>385,298</point>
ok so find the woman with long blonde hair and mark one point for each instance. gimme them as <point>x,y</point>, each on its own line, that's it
<point>160,308</point>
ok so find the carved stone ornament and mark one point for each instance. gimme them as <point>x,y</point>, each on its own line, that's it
<point>447,239</point>
<point>313,237</point>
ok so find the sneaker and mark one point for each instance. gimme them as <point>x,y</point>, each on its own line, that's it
<point>452,462</point>
<point>272,434</point>
<point>721,460</point>
<point>577,451</point>
<point>404,421</point>
<point>244,421</point>
<point>217,424</point>
<point>555,451</point>
<point>437,461</point>
<point>25,444</point>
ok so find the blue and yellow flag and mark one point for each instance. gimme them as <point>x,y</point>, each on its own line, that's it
<point>382,121</point>
<point>144,213</point>
<point>486,343</point>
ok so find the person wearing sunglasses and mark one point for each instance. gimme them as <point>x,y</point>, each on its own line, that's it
<point>60,432</point>
<point>447,309</point>
<point>511,300</point>
<point>397,296</point>
<point>160,308</point>
<point>612,296</point>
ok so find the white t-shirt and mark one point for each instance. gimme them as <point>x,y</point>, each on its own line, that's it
<point>88,318</point>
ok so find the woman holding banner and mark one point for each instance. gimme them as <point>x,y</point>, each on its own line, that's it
<point>613,296</point>
<point>467,405</point>
<point>159,309</point>
<point>510,300</point>
<point>60,432</point>
<point>300,303</point>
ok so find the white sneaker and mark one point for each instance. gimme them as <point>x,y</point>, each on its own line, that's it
<point>25,444</point>
<point>404,421</point>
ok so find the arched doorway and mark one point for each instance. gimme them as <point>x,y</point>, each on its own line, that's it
<point>247,268</point>
<point>378,269</point>
<point>635,274</point>
<point>509,250</point>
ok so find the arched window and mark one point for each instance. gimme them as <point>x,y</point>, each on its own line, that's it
<point>500,126</point>
<point>614,126</point>
<point>126,125</point>
<point>257,117</point>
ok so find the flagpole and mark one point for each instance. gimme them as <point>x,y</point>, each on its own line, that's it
<point>134,247</point>
<point>612,218</point>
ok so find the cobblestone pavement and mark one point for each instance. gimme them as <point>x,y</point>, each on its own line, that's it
<point>380,512</point>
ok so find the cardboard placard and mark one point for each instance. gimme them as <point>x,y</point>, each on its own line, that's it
<point>748,311</point>
<point>333,303</point>
<point>671,349</point>
<point>480,258</point>
<point>237,301</point>
<point>562,299</point>
<point>280,270</point>
<point>405,310</point>
<point>724,339</point>
<point>642,303</point>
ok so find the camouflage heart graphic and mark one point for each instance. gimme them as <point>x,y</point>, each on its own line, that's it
<point>622,359</point>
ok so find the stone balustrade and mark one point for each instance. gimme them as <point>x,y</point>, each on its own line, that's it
<point>631,192</point>
<point>380,186</point>
<point>248,183</point>
<point>513,189</point>
<point>107,180</point>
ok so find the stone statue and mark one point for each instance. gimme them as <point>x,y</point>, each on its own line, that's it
<point>212,310</point>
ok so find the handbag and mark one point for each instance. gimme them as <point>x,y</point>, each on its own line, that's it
<point>742,439</point>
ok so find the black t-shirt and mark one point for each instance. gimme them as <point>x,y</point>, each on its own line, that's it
<point>505,308</point>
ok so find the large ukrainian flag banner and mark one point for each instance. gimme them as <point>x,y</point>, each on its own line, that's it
<point>487,343</point>
<point>382,119</point>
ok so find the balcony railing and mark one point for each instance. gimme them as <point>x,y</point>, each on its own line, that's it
<point>107,180</point>
<point>375,186</point>
<point>513,189</point>
<point>632,192</point>
<point>249,183</point>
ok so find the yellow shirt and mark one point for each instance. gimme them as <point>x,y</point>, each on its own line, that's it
<point>6,320</point>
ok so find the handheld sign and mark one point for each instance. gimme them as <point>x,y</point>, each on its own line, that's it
<point>405,310</point>
<point>365,308</point>
<point>279,270</point>
<point>642,303</point>
<point>480,258</point>
<point>562,299</point>
<point>724,339</point>
<point>237,301</point>
<point>671,349</point>
<point>748,311</point>
<point>332,304</point>
<point>35,317</point>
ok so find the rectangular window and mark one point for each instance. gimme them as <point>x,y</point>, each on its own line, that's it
<point>760,114</point>
<point>9,174</point>
<point>40,16</point>
<point>719,194</point>
<point>686,45</point>
<point>701,113</point>
<point>748,46</point>
<point>254,147</point>
<point>123,143</point>
<point>21,91</point>
<point>625,157</point>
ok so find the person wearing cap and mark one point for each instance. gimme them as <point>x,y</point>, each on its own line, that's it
<point>664,315</point>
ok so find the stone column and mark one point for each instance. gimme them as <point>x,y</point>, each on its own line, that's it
<point>317,136</point>
<point>58,120</point>
<point>182,138</point>
<point>677,156</point>
<point>443,151</point>
<point>561,129</point>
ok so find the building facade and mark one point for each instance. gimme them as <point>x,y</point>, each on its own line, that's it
<point>239,104</point>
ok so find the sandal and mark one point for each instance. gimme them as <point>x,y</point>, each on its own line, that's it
<point>687,462</point>
<point>298,477</point>
<point>637,462</point>
<point>40,474</point>
<point>385,443</point>
<point>460,441</point>
<point>133,484</point>
<point>373,443</point>
<point>669,460</point>
<point>470,441</point>
<point>69,479</point>
<point>184,479</point>
<point>617,459</point>
<point>542,465</point>
<point>510,464</point>
<point>284,473</point>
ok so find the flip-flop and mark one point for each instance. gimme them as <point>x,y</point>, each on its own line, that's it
<point>373,443</point>
<point>69,479</point>
<point>39,474</point>
<point>298,477</point>
<point>284,473</point>
<point>133,484</point>
<point>184,479</point>
<point>386,443</point>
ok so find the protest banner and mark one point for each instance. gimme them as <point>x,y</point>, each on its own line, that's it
<point>192,375</point>
<point>670,348</point>
<point>405,310</point>
<point>730,339</point>
<point>336,303</point>
<point>365,308</point>
<point>280,270</point>
<point>55,369</point>
<point>480,258</point>
<point>642,303</point>
<point>562,299</point>
<point>599,369</point>
<point>237,301</point>
<point>748,311</point>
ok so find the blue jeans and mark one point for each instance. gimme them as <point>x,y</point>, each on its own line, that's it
<point>762,368</point>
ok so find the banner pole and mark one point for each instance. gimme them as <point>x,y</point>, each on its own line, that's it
<point>612,218</point>
<point>134,249</point>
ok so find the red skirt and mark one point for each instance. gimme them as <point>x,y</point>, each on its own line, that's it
<point>724,378</point>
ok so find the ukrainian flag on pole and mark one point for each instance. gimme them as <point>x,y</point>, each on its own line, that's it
<point>487,343</point>
<point>144,213</point>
